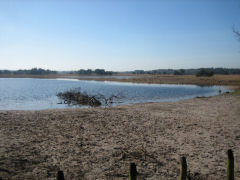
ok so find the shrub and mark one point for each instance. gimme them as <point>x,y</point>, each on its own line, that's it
<point>205,72</point>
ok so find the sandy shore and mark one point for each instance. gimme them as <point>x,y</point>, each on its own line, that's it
<point>100,143</point>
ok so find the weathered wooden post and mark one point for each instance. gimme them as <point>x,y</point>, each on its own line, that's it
<point>230,165</point>
<point>60,175</point>
<point>133,172</point>
<point>183,172</point>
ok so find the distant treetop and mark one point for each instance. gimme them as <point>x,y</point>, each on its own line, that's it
<point>33,71</point>
<point>96,71</point>
<point>205,72</point>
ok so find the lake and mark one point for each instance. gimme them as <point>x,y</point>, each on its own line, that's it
<point>37,94</point>
<point>104,77</point>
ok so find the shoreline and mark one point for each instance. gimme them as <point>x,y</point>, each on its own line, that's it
<point>229,80</point>
<point>101,142</point>
<point>116,106</point>
<point>224,90</point>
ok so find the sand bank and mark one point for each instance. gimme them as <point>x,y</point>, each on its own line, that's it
<point>100,143</point>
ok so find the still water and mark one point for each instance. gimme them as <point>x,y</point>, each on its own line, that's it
<point>36,94</point>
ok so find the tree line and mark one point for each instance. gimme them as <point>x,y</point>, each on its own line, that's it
<point>33,71</point>
<point>40,71</point>
<point>197,72</point>
<point>96,71</point>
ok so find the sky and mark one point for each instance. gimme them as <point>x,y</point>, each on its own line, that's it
<point>118,35</point>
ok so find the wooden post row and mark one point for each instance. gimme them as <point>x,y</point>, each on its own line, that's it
<point>60,175</point>
<point>230,165</point>
<point>183,171</point>
<point>133,172</point>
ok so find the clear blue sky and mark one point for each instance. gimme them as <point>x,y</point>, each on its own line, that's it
<point>118,34</point>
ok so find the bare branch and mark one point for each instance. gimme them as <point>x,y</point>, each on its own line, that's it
<point>237,33</point>
<point>76,97</point>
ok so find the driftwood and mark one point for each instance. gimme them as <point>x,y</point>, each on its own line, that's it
<point>77,97</point>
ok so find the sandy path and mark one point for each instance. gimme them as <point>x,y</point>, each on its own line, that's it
<point>100,143</point>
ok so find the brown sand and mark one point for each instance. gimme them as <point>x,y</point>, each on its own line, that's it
<point>100,143</point>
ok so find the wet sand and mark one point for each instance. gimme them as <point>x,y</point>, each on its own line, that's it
<point>99,143</point>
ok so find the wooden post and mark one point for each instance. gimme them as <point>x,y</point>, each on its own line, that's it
<point>230,165</point>
<point>183,172</point>
<point>133,172</point>
<point>60,175</point>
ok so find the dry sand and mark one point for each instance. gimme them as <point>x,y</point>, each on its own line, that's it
<point>100,143</point>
